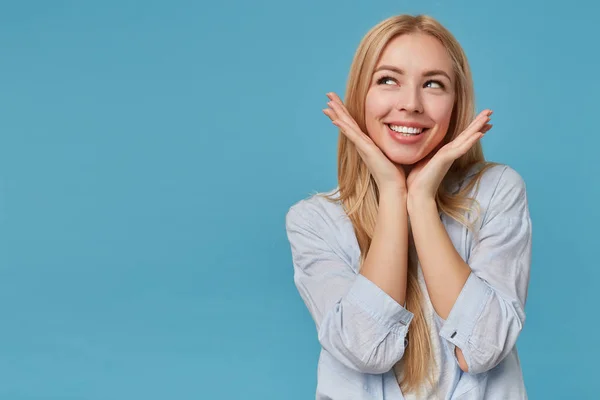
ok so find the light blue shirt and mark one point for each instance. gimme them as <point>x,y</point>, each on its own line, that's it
<point>362,330</point>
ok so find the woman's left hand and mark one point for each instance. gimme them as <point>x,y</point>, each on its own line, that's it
<point>426,176</point>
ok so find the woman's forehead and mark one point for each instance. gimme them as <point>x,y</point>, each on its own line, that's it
<point>416,53</point>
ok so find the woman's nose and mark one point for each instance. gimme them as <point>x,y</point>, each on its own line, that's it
<point>410,101</point>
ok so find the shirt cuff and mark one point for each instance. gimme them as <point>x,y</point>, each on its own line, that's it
<point>465,313</point>
<point>380,305</point>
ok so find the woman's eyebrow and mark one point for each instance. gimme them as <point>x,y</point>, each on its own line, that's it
<point>433,72</point>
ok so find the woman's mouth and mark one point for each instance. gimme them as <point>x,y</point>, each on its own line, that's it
<point>406,134</point>
<point>406,131</point>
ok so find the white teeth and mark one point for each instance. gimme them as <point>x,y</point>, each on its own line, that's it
<point>405,129</point>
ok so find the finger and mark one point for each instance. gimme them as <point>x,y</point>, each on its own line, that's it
<point>476,126</point>
<point>460,149</point>
<point>351,135</point>
<point>334,97</point>
<point>343,114</point>
<point>330,113</point>
<point>360,140</point>
<point>341,108</point>
<point>487,112</point>
<point>486,128</point>
<point>476,130</point>
<point>471,141</point>
<point>479,122</point>
<point>467,139</point>
<point>465,136</point>
<point>346,129</point>
<point>482,116</point>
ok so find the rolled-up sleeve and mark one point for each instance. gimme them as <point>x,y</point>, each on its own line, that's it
<point>357,322</point>
<point>488,315</point>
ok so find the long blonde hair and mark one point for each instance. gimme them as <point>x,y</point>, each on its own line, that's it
<point>357,190</point>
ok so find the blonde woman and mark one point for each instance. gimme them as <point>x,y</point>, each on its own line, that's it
<point>415,268</point>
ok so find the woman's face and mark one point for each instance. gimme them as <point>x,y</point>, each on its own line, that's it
<point>410,99</point>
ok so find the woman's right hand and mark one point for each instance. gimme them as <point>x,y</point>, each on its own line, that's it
<point>386,173</point>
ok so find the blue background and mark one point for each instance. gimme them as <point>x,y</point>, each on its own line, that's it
<point>150,150</point>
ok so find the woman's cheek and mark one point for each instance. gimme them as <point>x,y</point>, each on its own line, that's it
<point>445,106</point>
<point>377,104</point>
<point>376,108</point>
<point>443,109</point>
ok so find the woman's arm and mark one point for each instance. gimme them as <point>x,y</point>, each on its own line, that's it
<point>444,270</point>
<point>386,261</point>
<point>359,317</point>
<point>482,301</point>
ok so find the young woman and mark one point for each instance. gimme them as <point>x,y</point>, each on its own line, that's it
<point>416,268</point>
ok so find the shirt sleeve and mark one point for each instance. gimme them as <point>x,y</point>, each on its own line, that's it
<point>488,314</point>
<point>358,323</point>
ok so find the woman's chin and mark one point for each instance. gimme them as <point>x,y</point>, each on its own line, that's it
<point>403,158</point>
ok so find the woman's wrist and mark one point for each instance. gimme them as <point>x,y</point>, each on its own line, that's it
<point>397,191</point>
<point>415,203</point>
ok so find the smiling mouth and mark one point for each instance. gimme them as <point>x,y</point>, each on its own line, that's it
<point>406,130</point>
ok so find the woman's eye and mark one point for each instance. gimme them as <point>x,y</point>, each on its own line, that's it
<point>439,84</point>
<point>384,80</point>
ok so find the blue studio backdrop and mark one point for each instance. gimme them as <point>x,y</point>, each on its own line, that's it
<point>150,150</point>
